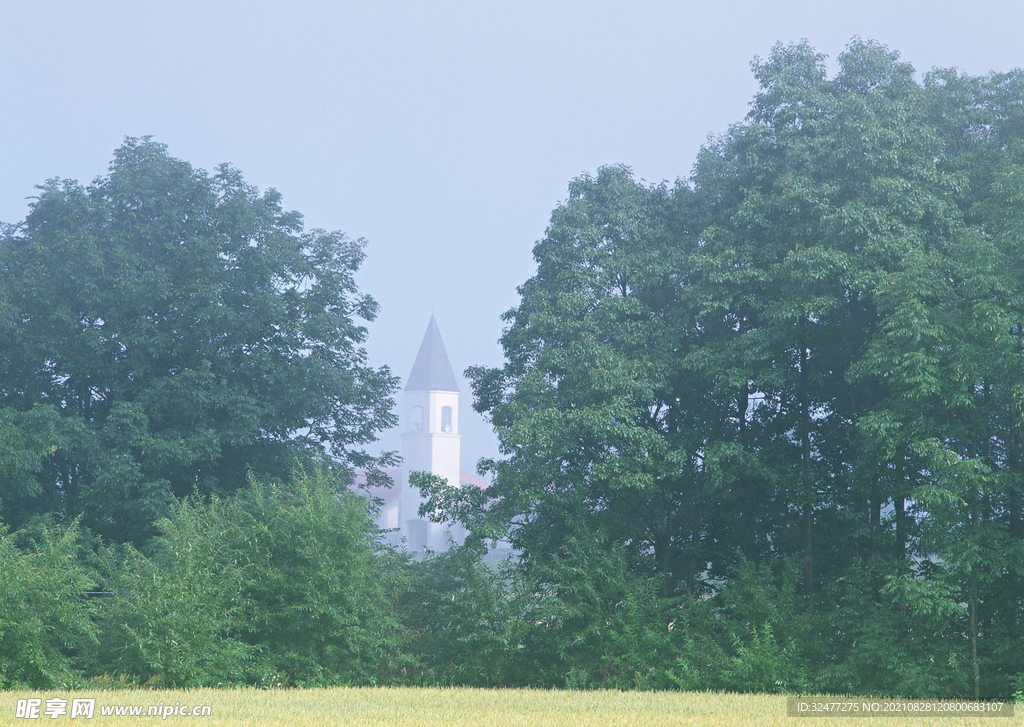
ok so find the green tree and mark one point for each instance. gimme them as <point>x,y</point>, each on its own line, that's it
<point>951,351</point>
<point>828,188</point>
<point>280,584</point>
<point>469,622</point>
<point>599,432</point>
<point>44,614</point>
<point>810,350</point>
<point>163,330</point>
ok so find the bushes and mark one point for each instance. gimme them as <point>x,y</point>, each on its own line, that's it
<point>290,585</point>
<point>278,585</point>
<point>44,614</point>
<point>468,622</point>
<point>581,621</point>
<point>749,637</point>
<point>321,585</point>
<point>177,619</point>
<point>598,623</point>
<point>900,635</point>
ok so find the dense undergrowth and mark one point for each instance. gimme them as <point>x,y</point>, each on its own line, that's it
<point>291,585</point>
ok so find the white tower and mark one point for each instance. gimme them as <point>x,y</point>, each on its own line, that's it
<point>431,438</point>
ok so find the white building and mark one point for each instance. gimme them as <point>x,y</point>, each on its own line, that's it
<point>430,441</point>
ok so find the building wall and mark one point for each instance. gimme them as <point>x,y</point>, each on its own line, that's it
<point>430,442</point>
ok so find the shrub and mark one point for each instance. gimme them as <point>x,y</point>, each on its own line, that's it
<point>176,619</point>
<point>599,624</point>
<point>280,584</point>
<point>468,621</point>
<point>749,637</point>
<point>322,586</point>
<point>44,613</point>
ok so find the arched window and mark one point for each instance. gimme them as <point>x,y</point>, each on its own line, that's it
<point>417,418</point>
<point>446,418</point>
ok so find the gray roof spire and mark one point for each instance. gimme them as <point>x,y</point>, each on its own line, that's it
<point>432,371</point>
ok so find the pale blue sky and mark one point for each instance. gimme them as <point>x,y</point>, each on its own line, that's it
<point>442,132</point>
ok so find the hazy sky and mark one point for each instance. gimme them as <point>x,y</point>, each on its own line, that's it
<point>442,132</point>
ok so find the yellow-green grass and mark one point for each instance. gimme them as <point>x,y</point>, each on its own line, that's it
<point>416,707</point>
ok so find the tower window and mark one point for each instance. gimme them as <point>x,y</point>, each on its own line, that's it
<point>446,418</point>
<point>417,418</point>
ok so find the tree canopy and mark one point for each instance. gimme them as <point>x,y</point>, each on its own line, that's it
<point>163,331</point>
<point>808,352</point>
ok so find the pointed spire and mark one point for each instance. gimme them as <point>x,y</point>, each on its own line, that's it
<point>432,371</point>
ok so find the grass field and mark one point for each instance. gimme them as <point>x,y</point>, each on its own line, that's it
<point>471,707</point>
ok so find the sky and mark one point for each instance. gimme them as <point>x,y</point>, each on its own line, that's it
<point>444,133</point>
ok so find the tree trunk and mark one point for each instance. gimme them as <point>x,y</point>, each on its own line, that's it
<point>805,436</point>
<point>972,583</point>
<point>875,520</point>
<point>973,605</point>
<point>691,568</point>
<point>901,510</point>
<point>742,406</point>
<point>664,559</point>
<point>1016,526</point>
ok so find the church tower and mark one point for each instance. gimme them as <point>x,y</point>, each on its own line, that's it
<point>431,438</point>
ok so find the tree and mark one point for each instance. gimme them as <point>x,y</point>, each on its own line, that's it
<point>810,350</point>
<point>44,614</point>
<point>599,433</point>
<point>278,584</point>
<point>828,188</point>
<point>163,330</point>
<point>951,352</point>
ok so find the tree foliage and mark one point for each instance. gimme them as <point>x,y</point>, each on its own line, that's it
<point>598,430</point>
<point>810,351</point>
<point>163,330</point>
<point>44,614</point>
<point>281,584</point>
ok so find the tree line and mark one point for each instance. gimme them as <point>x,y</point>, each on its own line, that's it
<point>759,429</point>
<point>806,358</point>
